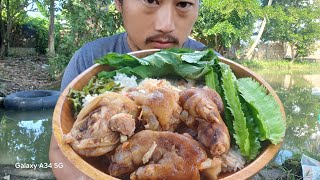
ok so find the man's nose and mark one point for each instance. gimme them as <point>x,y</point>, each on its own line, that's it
<point>164,22</point>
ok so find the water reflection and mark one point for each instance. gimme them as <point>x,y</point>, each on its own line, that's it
<point>25,136</point>
<point>298,92</point>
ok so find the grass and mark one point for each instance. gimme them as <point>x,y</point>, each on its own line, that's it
<point>291,167</point>
<point>282,65</point>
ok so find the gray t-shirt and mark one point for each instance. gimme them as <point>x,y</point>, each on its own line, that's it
<point>88,53</point>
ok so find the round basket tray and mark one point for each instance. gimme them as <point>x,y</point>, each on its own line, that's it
<point>92,167</point>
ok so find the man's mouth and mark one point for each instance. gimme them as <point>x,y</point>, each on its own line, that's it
<point>159,44</point>
<point>162,42</point>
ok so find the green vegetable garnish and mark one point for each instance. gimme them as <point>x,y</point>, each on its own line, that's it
<point>95,86</point>
<point>270,122</point>
<point>163,63</point>
<point>241,134</point>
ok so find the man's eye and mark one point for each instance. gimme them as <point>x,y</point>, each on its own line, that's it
<point>152,2</point>
<point>184,5</point>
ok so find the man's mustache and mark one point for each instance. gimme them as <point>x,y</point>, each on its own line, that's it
<point>162,37</point>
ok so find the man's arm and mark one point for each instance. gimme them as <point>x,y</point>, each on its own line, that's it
<point>68,171</point>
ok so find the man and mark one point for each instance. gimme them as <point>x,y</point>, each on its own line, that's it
<point>149,24</point>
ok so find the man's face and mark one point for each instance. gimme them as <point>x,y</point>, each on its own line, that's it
<point>158,23</point>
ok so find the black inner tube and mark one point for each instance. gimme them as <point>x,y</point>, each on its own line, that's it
<point>31,100</point>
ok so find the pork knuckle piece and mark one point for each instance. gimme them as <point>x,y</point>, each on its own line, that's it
<point>159,101</point>
<point>201,111</point>
<point>158,155</point>
<point>99,125</point>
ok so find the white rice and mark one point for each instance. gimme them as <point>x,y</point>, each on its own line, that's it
<point>232,161</point>
<point>88,99</point>
<point>125,81</point>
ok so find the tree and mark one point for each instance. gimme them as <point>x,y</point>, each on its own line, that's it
<point>249,54</point>
<point>84,21</point>
<point>12,11</point>
<point>1,30</point>
<point>89,19</point>
<point>47,9</point>
<point>295,22</point>
<point>51,30</point>
<point>223,24</point>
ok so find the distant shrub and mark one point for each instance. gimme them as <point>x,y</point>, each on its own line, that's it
<point>40,25</point>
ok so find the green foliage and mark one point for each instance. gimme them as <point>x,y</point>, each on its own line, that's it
<point>251,64</point>
<point>83,21</point>
<point>285,66</point>
<point>43,6</point>
<point>222,24</point>
<point>40,25</point>
<point>296,22</point>
<point>57,64</point>
<point>15,10</point>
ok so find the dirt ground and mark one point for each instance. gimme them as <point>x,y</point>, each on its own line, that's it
<point>25,73</point>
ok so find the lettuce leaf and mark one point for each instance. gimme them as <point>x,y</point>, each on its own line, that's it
<point>270,121</point>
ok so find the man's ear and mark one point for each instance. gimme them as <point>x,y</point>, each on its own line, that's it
<point>118,5</point>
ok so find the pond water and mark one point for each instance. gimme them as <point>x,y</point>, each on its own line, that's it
<point>25,136</point>
<point>300,94</point>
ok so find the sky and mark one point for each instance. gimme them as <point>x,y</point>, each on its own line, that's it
<point>37,14</point>
<point>31,13</point>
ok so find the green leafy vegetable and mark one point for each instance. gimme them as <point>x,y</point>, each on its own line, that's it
<point>239,124</point>
<point>120,60</point>
<point>163,63</point>
<point>270,121</point>
<point>252,128</point>
<point>95,86</point>
<point>212,80</point>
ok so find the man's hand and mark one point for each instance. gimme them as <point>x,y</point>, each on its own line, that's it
<point>68,171</point>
